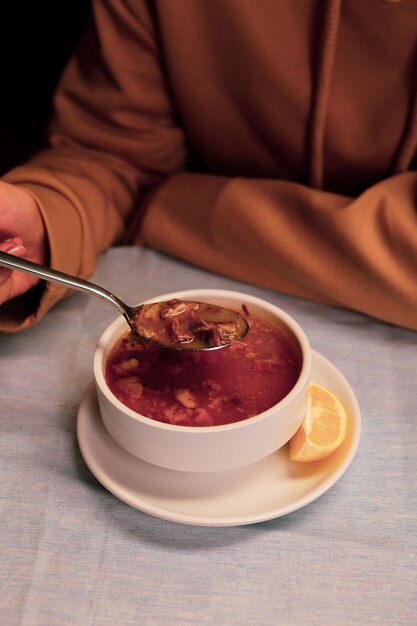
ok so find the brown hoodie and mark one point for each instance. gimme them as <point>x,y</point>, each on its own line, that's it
<point>274,141</point>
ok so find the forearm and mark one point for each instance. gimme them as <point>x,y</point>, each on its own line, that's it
<point>84,204</point>
<point>357,253</point>
<point>114,135</point>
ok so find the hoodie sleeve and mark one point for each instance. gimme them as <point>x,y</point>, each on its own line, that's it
<point>358,253</point>
<point>114,136</point>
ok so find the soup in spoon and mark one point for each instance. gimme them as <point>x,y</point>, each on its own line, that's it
<point>189,325</point>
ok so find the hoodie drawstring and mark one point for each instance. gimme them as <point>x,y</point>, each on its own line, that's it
<point>408,144</point>
<point>321,93</point>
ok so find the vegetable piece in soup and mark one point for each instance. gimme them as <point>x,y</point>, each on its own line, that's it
<point>205,388</point>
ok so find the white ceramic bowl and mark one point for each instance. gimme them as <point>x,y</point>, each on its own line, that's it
<point>207,448</point>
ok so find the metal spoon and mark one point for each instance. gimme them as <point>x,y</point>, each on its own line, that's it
<point>130,313</point>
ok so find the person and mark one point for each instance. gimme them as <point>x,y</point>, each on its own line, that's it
<point>274,142</point>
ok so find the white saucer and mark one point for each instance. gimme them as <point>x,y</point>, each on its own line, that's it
<point>264,490</point>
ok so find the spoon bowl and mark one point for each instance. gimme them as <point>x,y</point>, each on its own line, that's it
<point>210,329</point>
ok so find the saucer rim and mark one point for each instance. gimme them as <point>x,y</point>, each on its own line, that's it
<point>140,503</point>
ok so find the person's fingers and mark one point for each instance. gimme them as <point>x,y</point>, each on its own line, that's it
<point>11,246</point>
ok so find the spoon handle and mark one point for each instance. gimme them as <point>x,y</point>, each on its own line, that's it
<point>22,265</point>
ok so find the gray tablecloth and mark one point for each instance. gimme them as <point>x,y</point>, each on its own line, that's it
<point>72,553</point>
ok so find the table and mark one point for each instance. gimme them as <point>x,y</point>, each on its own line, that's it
<point>72,553</point>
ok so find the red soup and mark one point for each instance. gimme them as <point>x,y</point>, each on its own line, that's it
<point>205,388</point>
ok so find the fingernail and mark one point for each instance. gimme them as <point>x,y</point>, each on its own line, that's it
<point>11,248</point>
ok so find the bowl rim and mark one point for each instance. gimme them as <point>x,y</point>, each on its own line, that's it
<point>306,354</point>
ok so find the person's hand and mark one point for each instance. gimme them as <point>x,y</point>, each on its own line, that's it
<point>22,233</point>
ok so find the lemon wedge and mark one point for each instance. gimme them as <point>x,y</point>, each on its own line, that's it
<point>323,429</point>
